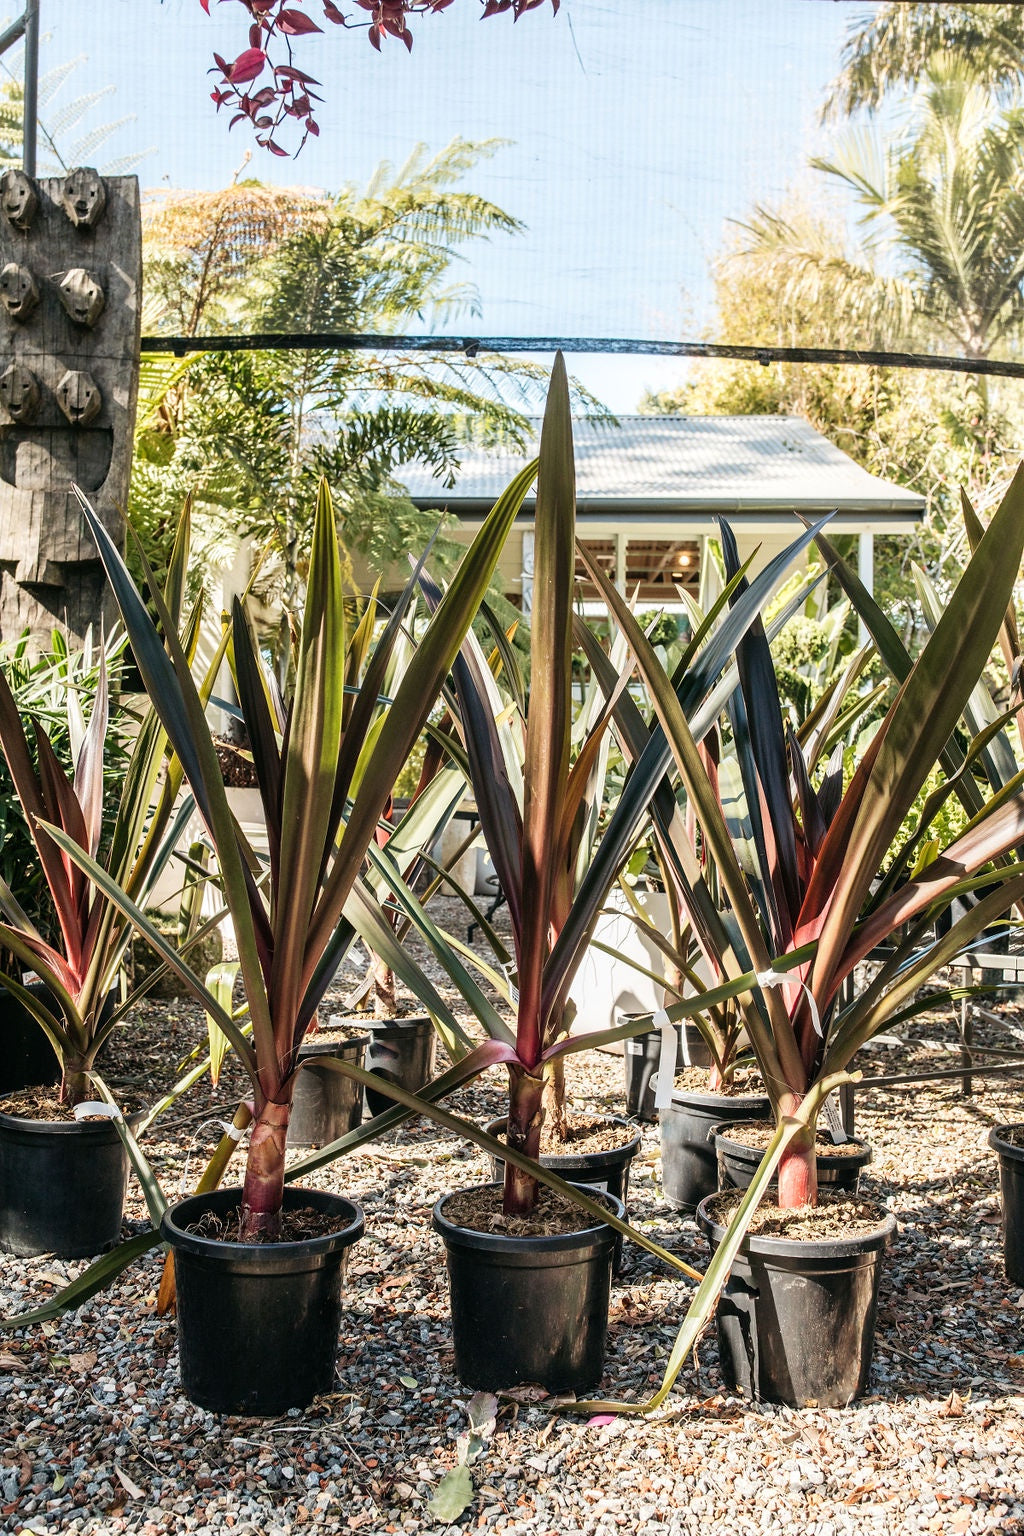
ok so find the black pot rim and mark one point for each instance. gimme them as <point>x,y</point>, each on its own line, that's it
<point>808,1248</point>
<point>255,1258</point>
<point>998,1142</point>
<point>684,1100</point>
<point>858,1159</point>
<point>385,1027</point>
<point>610,1157</point>
<point>310,1049</point>
<point>102,1127</point>
<point>501,1242</point>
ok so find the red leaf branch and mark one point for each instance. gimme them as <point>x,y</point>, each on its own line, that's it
<point>285,97</point>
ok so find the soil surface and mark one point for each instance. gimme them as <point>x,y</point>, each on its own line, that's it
<point>297,1226</point>
<point>758,1133</point>
<point>584,1136</point>
<point>36,1104</point>
<point>1015,1136</point>
<point>834,1216</point>
<point>338,1036</point>
<point>746,1082</point>
<point>480,1210</point>
<point>236,766</point>
<point>98,1439</point>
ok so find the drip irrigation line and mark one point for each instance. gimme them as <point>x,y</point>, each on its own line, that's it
<point>471,346</point>
<point>907,1078</point>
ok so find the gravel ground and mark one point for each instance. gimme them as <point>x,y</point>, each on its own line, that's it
<point>98,1437</point>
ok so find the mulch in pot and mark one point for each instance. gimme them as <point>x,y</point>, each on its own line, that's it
<point>759,1133</point>
<point>480,1211</point>
<point>297,1226</point>
<point>584,1136</point>
<point>835,1216</point>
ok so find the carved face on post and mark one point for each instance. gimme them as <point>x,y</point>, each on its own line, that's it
<point>18,292</point>
<point>79,397</point>
<point>84,197</point>
<point>82,296</point>
<point>18,198</point>
<point>19,392</point>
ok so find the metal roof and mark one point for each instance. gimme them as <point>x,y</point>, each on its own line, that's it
<point>685,463</point>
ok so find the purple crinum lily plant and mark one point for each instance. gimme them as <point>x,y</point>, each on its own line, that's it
<point>79,965</point>
<point>812,885</point>
<point>324,781</point>
<point>537,772</point>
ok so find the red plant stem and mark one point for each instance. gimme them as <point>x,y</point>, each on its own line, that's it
<point>74,1083</point>
<point>263,1189</point>
<point>525,1117</point>
<point>798,1169</point>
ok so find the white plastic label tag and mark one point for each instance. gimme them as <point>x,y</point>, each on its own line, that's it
<point>834,1118</point>
<point>95,1108</point>
<point>667,1064</point>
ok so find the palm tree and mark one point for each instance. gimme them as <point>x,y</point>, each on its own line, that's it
<point>252,432</point>
<point>943,212</point>
<point>895,45</point>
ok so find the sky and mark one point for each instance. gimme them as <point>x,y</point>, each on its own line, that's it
<point>634,131</point>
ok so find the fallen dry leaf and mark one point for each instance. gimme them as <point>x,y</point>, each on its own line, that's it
<point>953,1407</point>
<point>84,1361</point>
<point>132,1489</point>
<point>526,1394</point>
<point>9,1362</point>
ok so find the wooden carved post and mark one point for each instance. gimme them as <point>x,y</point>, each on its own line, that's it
<point>70,290</point>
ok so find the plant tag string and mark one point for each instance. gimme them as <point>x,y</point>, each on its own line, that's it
<point>782,978</point>
<point>667,1064</point>
<point>513,991</point>
<point>95,1109</point>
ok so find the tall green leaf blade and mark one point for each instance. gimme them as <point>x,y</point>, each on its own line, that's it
<point>777,1049</point>
<point>310,761</point>
<point>917,728</point>
<point>428,667</point>
<point>549,710</point>
<point>173,694</point>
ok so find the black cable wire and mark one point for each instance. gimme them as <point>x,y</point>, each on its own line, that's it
<point>470,346</point>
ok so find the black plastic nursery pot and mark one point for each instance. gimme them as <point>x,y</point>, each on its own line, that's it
<point>258,1322</point>
<point>796,1320</point>
<point>529,1309</point>
<point>28,1059</point>
<point>1011,1189</point>
<point>689,1163</point>
<point>642,1059</point>
<point>326,1104</point>
<point>402,1051</point>
<point>62,1186</point>
<point>737,1163</point>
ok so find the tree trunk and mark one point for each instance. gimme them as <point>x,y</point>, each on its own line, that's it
<point>263,1189</point>
<point>525,1118</point>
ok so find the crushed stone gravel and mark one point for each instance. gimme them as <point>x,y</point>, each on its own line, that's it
<point>98,1439</point>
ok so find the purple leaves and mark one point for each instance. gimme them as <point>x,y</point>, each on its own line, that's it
<point>247,66</point>
<point>273,21</point>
